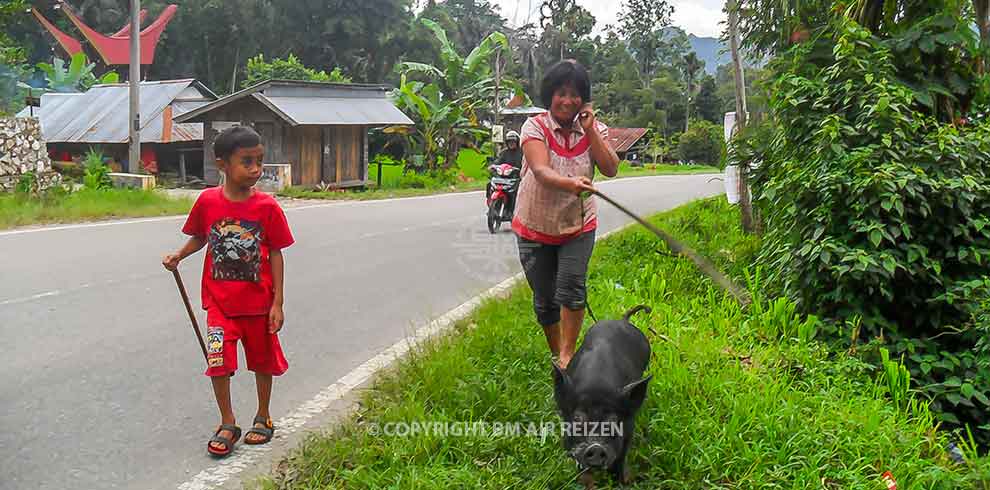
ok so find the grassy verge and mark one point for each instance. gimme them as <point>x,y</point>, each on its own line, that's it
<point>19,210</point>
<point>737,400</point>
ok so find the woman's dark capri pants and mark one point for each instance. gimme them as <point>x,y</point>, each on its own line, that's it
<point>557,274</point>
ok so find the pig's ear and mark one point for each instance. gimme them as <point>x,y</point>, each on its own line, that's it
<point>635,393</point>
<point>561,383</point>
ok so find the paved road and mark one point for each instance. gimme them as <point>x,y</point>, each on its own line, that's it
<point>102,384</point>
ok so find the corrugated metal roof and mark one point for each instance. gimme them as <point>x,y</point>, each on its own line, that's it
<point>324,111</point>
<point>529,111</point>
<point>622,139</point>
<point>99,116</point>
<point>318,104</point>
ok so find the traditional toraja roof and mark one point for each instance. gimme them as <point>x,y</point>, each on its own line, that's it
<point>72,45</point>
<point>114,49</point>
<point>99,116</point>
<point>315,104</point>
<point>622,139</point>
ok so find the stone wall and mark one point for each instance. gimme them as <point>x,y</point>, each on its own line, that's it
<point>22,150</point>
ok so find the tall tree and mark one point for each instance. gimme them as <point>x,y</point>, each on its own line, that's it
<point>982,10</point>
<point>692,67</point>
<point>467,21</point>
<point>745,202</point>
<point>673,47</point>
<point>365,39</point>
<point>643,22</point>
<point>12,57</point>
<point>707,104</point>
<point>11,51</point>
<point>563,36</point>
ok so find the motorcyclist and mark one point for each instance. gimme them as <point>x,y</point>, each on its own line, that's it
<point>512,153</point>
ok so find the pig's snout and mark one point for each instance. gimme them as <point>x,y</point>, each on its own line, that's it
<point>595,456</point>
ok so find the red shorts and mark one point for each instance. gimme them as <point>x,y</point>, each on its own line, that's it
<point>262,349</point>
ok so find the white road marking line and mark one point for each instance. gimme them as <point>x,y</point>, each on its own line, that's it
<point>30,298</point>
<point>59,292</point>
<point>90,225</point>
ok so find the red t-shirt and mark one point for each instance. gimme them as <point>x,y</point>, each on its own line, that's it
<point>237,276</point>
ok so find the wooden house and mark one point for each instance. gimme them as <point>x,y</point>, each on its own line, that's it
<point>319,129</point>
<point>74,123</point>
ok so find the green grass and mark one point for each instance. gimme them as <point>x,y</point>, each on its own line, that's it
<point>627,170</point>
<point>83,205</point>
<point>736,401</point>
<point>391,175</point>
<point>469,162</point>
<point>471,165</point>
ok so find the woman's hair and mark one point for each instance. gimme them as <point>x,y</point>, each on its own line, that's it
<point>566,72</point>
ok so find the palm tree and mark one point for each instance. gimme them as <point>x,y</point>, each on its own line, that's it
<point>692,65</point>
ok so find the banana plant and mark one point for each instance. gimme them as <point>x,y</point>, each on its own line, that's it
<point>76,77</point>
<point>449,107</point>
<point>441,124</point>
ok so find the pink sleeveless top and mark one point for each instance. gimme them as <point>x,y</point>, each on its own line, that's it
<point>546,214</point>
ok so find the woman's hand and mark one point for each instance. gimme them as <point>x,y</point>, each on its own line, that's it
<point>586,116</point>
<point>579,185</point>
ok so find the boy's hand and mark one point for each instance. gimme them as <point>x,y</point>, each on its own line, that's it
<point>171,262</point>
<point>275,319</point>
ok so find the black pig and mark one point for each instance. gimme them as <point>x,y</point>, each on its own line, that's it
<point>600,391</point>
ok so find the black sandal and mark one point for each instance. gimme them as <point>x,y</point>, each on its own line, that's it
<point>228,444</point>
<point>268,431</point>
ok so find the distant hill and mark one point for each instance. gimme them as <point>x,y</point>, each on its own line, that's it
<point>712,50</point>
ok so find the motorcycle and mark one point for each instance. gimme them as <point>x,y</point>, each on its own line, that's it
<point>500,197</point>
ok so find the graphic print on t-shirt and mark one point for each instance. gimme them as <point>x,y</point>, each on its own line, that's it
<point>236,247</point>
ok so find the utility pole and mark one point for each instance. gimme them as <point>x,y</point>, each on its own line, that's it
<point>745,201</point>
<point>498,80</point>
<point>134,160</point>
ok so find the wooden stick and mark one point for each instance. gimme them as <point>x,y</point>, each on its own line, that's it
<point>741,295</point>
<point>192,316</point>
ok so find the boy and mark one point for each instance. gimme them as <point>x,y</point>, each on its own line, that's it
<point>243,277</point>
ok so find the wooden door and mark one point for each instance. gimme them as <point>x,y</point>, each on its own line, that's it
<point>329,157</point>
<point>311,157</point>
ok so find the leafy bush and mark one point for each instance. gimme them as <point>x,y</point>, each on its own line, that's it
<point>259,70</point>
<point>877,209</point>
<point>28,185</point>
<point>702,143</point>
<point>97,173</point>
<point>428,180</point>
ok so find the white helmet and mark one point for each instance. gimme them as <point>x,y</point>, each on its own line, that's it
<point>512,135</point>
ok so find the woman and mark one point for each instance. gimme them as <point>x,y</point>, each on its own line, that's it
<point>554,224</point>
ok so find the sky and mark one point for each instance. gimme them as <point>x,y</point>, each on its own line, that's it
<point>698,17</point>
